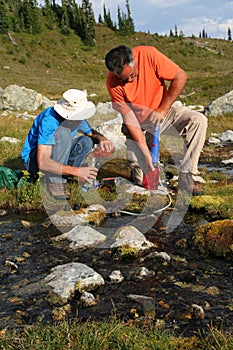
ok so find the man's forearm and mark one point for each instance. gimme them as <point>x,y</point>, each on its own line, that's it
<point>97,137</point>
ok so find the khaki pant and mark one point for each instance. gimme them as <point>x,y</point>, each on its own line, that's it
<point>182,124</point>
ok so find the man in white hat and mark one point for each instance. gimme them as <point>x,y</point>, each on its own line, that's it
<point>52,147</point>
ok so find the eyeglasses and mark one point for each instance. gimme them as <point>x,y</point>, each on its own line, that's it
<point>129,73</point>
<point>129,78</point>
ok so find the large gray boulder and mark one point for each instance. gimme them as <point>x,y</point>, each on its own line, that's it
<point>112,130</point>
<point>19,98</point>
<point>220,106</point>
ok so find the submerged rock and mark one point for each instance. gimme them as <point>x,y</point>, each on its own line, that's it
<point>195,312</point>
<point>145,305</point>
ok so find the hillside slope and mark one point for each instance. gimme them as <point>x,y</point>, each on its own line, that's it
<point>51,63</point>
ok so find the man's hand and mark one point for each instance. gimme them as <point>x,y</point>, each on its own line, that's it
<point>88,173</point>
<point>156,118</point>
<point>106,145</point>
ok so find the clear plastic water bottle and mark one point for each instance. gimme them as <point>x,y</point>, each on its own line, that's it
<point>86,186</point>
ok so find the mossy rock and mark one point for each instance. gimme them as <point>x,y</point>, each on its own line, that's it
<point>125,251</point>
<point>214,207</point>
<point>206,201</point>
<point>215,238</point>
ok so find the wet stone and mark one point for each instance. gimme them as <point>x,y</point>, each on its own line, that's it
<point>71,277</point>
<point>146,305</point>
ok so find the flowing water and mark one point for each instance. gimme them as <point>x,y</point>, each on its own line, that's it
<point>27,255</point>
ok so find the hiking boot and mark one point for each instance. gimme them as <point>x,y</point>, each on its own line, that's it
<point>187,183</point>
<point>58,190</point>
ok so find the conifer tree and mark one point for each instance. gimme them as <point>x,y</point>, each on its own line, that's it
<point>129,20</point>
<point>229,34</point>
<point>64,19</point>
<point>29,16</point>
<point>204,34</point>
<point>4,26</point>
<point>49,13</point>
<point>88,23</point>
<point>78,21</point>
<point>100,21</point>
<point>107,19</point>
<point>125,22</point>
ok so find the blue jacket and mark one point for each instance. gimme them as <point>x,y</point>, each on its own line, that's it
<point>43,129</point>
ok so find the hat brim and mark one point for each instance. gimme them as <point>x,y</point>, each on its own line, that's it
<point>84,112</point>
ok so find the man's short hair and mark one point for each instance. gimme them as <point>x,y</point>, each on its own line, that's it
<point>117,58</point>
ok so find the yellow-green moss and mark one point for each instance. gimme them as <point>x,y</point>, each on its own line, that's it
<point>215,238</point>
<point>125,251</point>
<point>206,201</point>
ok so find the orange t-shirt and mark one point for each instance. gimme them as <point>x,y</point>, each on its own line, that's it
<point>145,93</point>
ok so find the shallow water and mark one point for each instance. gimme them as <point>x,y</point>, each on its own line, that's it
<point>27,255</point>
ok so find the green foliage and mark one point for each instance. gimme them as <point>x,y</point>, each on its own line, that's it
<point>4,26</point>
<point>22,60</point>
<point>109,335</point>
<point>88,33</point>
<point>28,17</point>
<point>125,21</point>
<point>27,192</point>
<point>107,19</point>
<point>48,12</point>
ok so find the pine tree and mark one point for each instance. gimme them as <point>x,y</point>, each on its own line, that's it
<point>120,19</point>
<point>78,21</point>
<point>107,19</point>
<point>4,26</point>
<point>84,22</point>
<point>129,20</point>
<point>64,20</point>
<point>49,13</point>
<point>28,15</point>
<point>88,23</point>
<point>229,34</point>
<point>125,22</point>
<point>100,21</point>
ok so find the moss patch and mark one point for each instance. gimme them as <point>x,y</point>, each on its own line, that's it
<point>206,201</point>
<point>215,238</point>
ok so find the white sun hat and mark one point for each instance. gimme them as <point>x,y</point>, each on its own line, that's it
<point>74,105</point>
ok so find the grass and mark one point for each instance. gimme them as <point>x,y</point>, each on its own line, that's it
<point>109,335</point>
<point>28,196</point>
<point>50,62</point>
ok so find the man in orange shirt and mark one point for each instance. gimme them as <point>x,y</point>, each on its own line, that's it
<point>143,85</point>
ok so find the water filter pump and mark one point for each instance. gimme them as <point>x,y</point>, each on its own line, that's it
<point>151,179</point>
